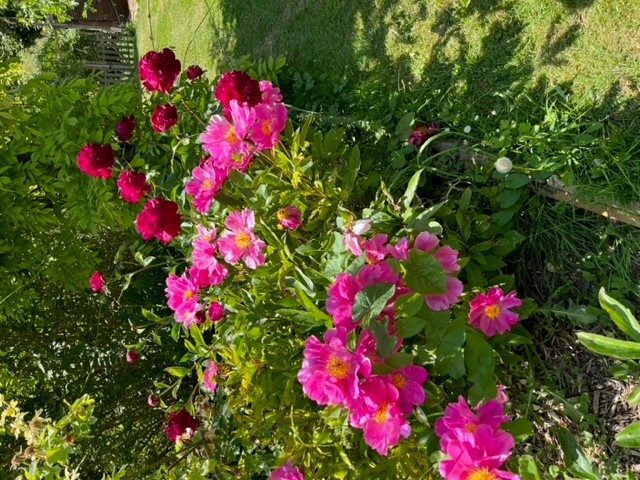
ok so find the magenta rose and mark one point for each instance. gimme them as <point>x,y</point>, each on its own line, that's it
<point>132,356</point>
<point>133,186</point>
<point>125,128</point>
<point>194,72</point>
<point>96,160</point>
<point>159,70</point>
<point>422,133</point>
<point>216,312</point>
<point>160,219</point>
<point>181,426</point>
<point>96,283</point>
<point>237,85</point>
<point>164,117</point>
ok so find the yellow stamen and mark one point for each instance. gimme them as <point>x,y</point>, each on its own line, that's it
<point>207,184</point>
<point>189,294</point>
<point>231,136</point>
<point>337,368</point>
<point>266,127</point>
<point>382,415</point>
<point>243,240</point>
<point>398,381</point>
<point>492,312</point>
<point>481,474</point>
<point>471,428</point>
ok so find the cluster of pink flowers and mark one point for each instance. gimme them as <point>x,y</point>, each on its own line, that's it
<point>237,243</point>
<point>252,121</point>
<point>333,374</point>
<point>475,445</point>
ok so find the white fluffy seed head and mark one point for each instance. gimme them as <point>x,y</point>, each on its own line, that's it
<point>504,165</point>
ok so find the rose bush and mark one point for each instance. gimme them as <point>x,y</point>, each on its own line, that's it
<point>258,216</point>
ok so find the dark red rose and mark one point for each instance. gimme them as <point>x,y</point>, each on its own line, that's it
<point>125,128</point>
<point>133,186</point>
<point>96,160</point>
<point>181,426</point>
<point>96,283</point>
<point>159,70</point>
<point>164,117</point>
<point>132,356</point>
<point>153,401</point>
<point>237,85</point>
<point>194,72</point>
<point>216,312</point>
<point>422,133</point>
<point>201,317</point>
<point>160,219</point>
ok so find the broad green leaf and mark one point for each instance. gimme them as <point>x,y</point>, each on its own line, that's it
<point>385,343</point>
<point>575,460</point>
<point>520,428</point>
<point>634,397</point>
<point>610,347</point>
<point>196,334</point>
<point>629,437</point>
<point>424,274</point>
<point>57,455</point>
<point>310,306</point>
<point>621,315</point>
<point>399,360</point>
<point>410,326</point>
<point>372,300</point>
<point>517,180</point>
<point>478,358</point>
<point>408,305</point>
<point>412,186</point>
<point>177,371</point>
<point>528,469</point>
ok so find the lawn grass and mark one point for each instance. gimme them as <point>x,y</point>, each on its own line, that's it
<point>488,46</point>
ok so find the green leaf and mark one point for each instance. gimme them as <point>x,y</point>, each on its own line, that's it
<point>528,469</point>
<point>57,455</point>
<point>385,343</point>
<point>177,371</point>
<point>520,428</point>
<point>634,397</point>
<point>412,186</point>
<point>408,305</point>
<point>575,460</point>
<point>399,360</point>
<point>630,436</point>
<point>311,308</point>
<point>423,274</point>
<point>372,300</point>
<point>196,334</point>
<point>516,180</point>
<point>621,315</point>
<point>478,358</point>
<point>610,347</point>
<point>410,326</point>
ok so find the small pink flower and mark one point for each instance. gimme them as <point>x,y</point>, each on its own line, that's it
<point>479,457</point>
<point>422,133</point>
<point>226,141</point>
<point>209,377</point>
<point>163,118</point>
<point>378,414</point>
<point>159,70</point>
<point>460,421</point>
<point>132,356</point>
<point>194,72</point>
<point>182,293</point>
<point>329,373</point>
<point>206,181</point>
<point>269,124</point>
<point>290,217</point>
<point>181,426</point>
<point>340,300</point>
<point>239,241</point>
<point>216,312</point>
<point>125,128</point>
<point>286,472</point>
<point>96,160</point>
<point>160,219</point>
<point>204,258</point>
<point>448,258</point>
<point>132,186</point>
<point>443,301</point>
<point>408,381</point>
<point>375,249</point>
<point>96,283</point>
<point>490,313</point>
<point>270,94</point>
<point>153,401</point>
<point>353,236</point>
<point>399,251</point>
<point>426,242</point>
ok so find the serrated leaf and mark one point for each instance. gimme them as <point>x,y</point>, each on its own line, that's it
<point>177,371</point>
<point>410,326</point>
<point>408,305</point>
<point>372,300</point>
<point>423,274</point>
